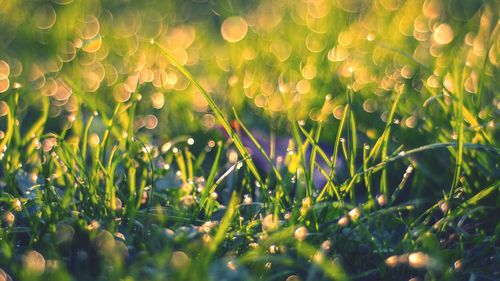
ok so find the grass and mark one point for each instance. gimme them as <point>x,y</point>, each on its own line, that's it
<point>284,140</point>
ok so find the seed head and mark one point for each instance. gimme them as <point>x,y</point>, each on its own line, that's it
<point>206,238</point>
<point>179,259</point>
<point>231,265</point>
<point>306,202</point>
<point>16,204</point>
<point>214,195</point>
<point>144,198</point>
<point>300,233</point>
<point>343,221</point>
<point>93,225</point>
<point>273,249</point>
<point>247,200</point>
<point>318,257</point>
<point>381,200</point>
<point>288,216</point>
<point>188,200</point>
<point>418,260</point>
<point>444,206</point>
<point>354,214</point>
<point>269,223</point>
<point>392,261</point>
<point>34,262</point>
<point>293,278</point>
<point>9,218</point>
<point>326,245</point>
<point>120,236</point>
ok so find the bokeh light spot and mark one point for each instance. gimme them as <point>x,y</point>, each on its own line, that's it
<point>443,34</point>
<point>234,29</point>
<point>44,17</point>
<point>121,93</point>
<point>4,85</point>
<point>4,69</point>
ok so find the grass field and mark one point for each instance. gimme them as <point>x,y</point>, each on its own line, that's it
<point>249,140</point>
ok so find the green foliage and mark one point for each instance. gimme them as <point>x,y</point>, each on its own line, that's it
<point>249,140</point>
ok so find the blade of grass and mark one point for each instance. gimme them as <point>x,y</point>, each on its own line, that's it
<point>374,152</point>
<point>300,150</point>
<point>314,149</point>
<point>351,135</point>
<point>189,161</point>
<point>314,143</point>
<point>85,142</point>
<point>367,176</point>
<point>257,144</point>
<point>329,183</point>
<point>459,126</point>
<point>37,127</point>
<point>224,225</point>
<point>339,136</point>
<point>404,154</point>
<point>235,166</point>
<point>218,113</point>
<point>385,146</point>
<point>215,166</point>
<point>181,164</point>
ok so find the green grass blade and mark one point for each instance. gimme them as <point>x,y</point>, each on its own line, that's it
<point>218,113</point>
<point>259,147</point>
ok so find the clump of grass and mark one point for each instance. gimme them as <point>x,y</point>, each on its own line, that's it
<point>119,189</point>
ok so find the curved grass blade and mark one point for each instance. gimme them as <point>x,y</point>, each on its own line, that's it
<point>259,147</point>
<point>217,111</point>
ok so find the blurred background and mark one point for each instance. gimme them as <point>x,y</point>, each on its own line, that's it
<point>419,69</point>
<point>273,61</point>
